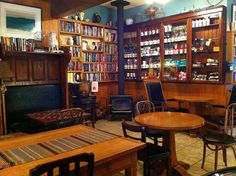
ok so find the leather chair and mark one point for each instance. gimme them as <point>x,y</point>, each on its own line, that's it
<point>151,154</point>
<point>146,106</point>
<point>64,166</point>
<point>217,140</point>
<point>155,95</point>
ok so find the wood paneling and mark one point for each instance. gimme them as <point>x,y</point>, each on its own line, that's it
<point>32,68</point>
<point>53,67</point>
<point>38,70</point>
<point>22,70</point>
<point>219,92</point>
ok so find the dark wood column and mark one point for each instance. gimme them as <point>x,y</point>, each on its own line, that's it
<point>120,22</point>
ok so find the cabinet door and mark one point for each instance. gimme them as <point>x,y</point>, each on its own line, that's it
<point>207,49</point>
<point>175,53</point>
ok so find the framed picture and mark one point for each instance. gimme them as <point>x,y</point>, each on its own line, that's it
<point>20,21</point>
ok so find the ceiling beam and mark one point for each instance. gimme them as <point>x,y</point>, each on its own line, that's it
<point>61,8</point>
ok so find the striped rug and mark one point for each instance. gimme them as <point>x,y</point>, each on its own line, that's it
<point>37,151</point>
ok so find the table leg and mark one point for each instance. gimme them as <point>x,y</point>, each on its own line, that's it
<point>169,142</point>
<point>132,170</point>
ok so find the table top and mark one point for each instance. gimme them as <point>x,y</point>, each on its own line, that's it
<point>103,151</point>
<point>175,121</point>
<point>196,99</point>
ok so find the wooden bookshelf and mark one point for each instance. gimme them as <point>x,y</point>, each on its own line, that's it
<point>94,56</point>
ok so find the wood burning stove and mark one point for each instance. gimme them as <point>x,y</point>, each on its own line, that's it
<point>121,105</point>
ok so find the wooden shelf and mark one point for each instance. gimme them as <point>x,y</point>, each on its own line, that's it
<point>65,45</point>
<point>92,37</point>
<point>92,51</point>
<point>69,33</point>
<point>204,27</point>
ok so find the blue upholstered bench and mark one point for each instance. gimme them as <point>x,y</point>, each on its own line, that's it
<point>21,100</point>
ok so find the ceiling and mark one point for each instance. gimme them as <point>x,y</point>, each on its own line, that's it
<point>133,3</point>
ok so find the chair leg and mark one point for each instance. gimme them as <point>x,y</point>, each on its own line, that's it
<point>146,170</point>
<point>216,156</point>
<point>204,155</point>
<point>234,152</point>
<point>224,150</point>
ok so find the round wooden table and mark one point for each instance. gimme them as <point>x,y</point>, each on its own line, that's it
<point>171,122</point>
<point>197,104</point>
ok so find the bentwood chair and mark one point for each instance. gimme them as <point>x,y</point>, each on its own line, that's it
<point>151,155</point>
<point>217,121</point>
<point>217,140</point>
<point>146,106</point>
<point>64,166</point>
<point>71,116</point>
<point>155,95</point>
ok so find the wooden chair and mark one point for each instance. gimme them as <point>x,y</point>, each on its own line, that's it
<point>146,106</point>
<point>64,166</point>
<point>151,154</point>
<point>155,95</point>
<point>219,140</point>
<point>71,116</point>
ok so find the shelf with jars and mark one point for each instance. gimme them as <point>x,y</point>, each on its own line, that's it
<point>131,64</point>
<point>175,51</point>
<point>93,49</point>
<point>207,48</point>
<point>150,51</point>
<point>188,47</point>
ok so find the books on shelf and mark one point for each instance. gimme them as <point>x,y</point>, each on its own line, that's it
<point>110,35</point>
<point>92,57</point>
<point>92,31</point>
<point>74,66</point>
<point>69,26</point>
<point>11,44</point>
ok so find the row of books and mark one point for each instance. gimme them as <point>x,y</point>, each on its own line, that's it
<point>76,40</point>
<point>100,67</point>
<point>74,66</point>
<point>92,31</point>
<point>69,26</point>
<point>10,44</point>
<point>75,51</point>
<point>110,58</point>
<point>100,77</point>
<point>73,77</point>
<point>110,35</point>
<point>111,76</point>
<point>92,57</point>
<point>110,49</point>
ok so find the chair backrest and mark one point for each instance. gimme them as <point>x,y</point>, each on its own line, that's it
<point>64,166</point>
<point>134,131</point>
<point>154,92</point>
<point>144,106</point>
<point>229,119</point>
<point>71,116</point>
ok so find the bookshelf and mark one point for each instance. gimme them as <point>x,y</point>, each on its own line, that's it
<point>93,49</point>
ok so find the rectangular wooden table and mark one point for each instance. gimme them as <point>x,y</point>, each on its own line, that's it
<point>111,156</point>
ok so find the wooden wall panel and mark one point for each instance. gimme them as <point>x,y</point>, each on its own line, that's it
<point>53,69</point>
<point>38,70</point>
<point>22,70</point>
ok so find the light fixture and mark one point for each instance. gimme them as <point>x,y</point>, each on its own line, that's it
<point>5,73</point>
